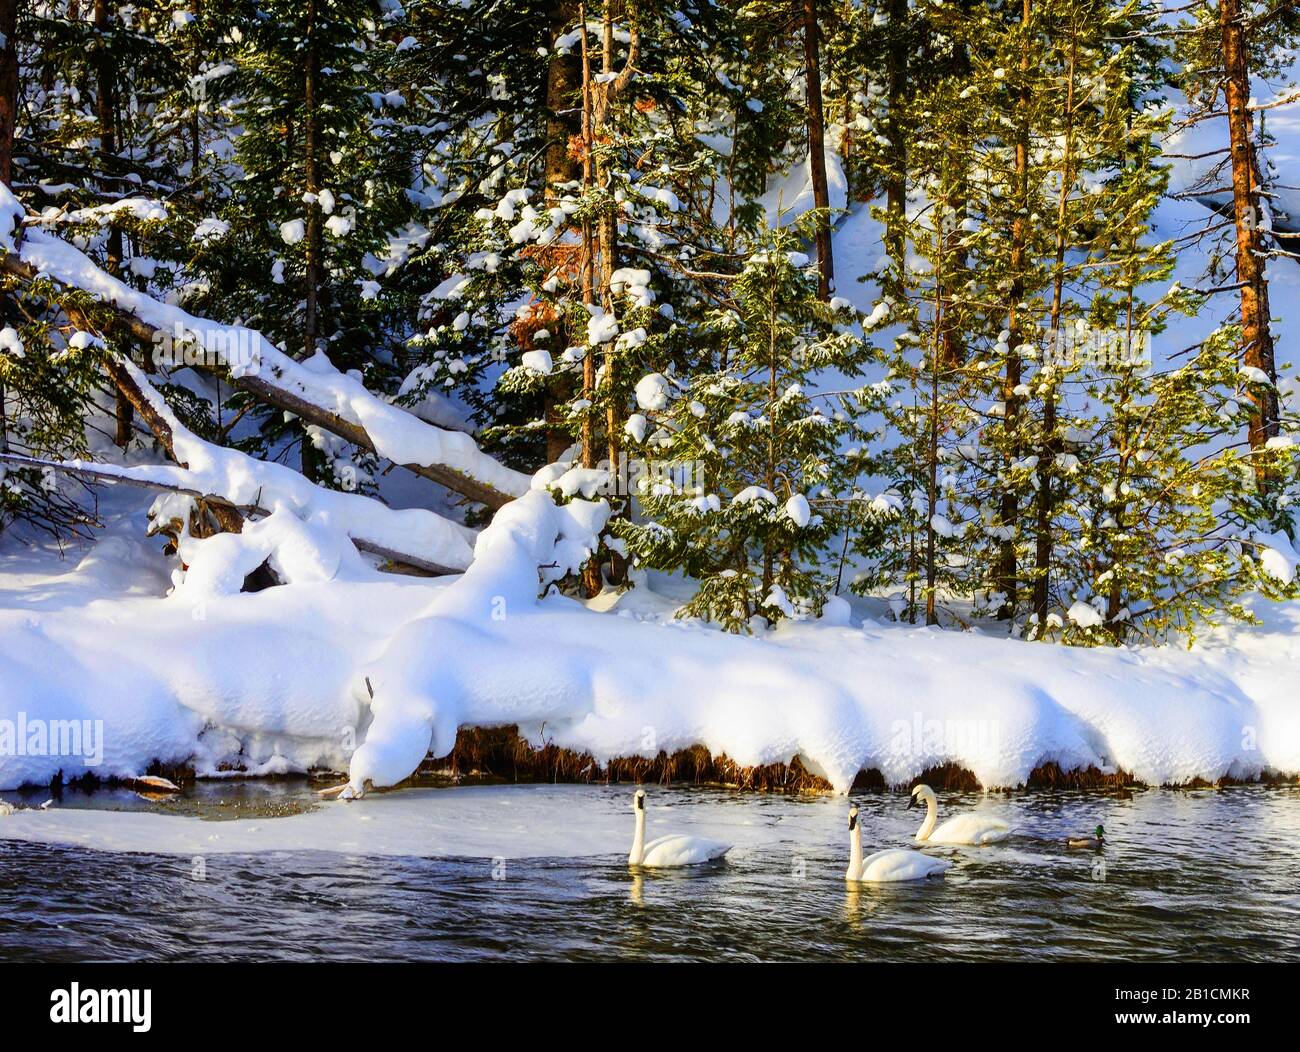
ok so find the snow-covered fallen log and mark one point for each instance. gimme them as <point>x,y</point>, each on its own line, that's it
<point>313,390</point>
<point>144,479</point>
<point>416,536</point>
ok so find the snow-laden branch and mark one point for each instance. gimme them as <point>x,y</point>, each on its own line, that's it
<point>314,390</point>
<point>415,536</point>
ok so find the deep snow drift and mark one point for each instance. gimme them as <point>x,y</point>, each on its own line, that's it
<point>277,680</point>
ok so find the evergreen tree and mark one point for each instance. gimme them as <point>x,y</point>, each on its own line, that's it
<point>745,504</point>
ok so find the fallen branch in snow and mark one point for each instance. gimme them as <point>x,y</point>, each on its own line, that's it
<point>230,482</point>
<point>144,408</point>
<point>110,474</point>
<point>449,458</point>
<point>233,514</point>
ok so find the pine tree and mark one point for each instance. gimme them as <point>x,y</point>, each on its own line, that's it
<point>323,157</point>
<point>745,504</point>
<point>1222,47</point>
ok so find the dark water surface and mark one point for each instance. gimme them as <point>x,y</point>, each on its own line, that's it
<point>1197,875</point>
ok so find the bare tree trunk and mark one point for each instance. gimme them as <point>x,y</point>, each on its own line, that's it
<point>311,184</point>
<point>607,236</point>
<point>1257,340</point>
<point>313,465</point>
<point>8,87</point>
<point>591,579</point>
<point>104,112</point>
<point>198,100</point>
<point>1007,569</point>
<point>1045,501</point>
<point>564,84</point>
<point>817,148</point>
<point>769,477</point>
<point>954,344</point>
<point>932,455</point>
<point>8,121</point>
<point>896,179</point>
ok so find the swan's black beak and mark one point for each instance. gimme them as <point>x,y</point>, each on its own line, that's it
<point>640,803</point>
<point>911,803</point>
<point>853,822</point>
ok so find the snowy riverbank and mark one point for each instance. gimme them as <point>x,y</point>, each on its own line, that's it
<point>276,681</point>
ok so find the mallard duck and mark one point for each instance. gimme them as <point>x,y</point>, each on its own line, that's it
<point>1097,839</point>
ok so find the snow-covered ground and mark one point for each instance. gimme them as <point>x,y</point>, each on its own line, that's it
<point>277,680</point>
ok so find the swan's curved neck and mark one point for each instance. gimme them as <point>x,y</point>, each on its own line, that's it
<point>638,841</point>
<point>931,815</point>
<point>855,854</point>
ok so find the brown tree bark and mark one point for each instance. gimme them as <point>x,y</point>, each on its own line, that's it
<point>564,86</point>
<point>896,179</point>
<point>8,87</point>
<point>603,96</point>
<point>563,91</point>
<point>817,147</point>
<point>8,122</point>
<point>932,450</point>
<point>105,113</point>
<point>591,576</point>
<point>313,464</point>
<point>311,185</point>
<point>1045,499</point>
<point>1007,569</point>
<point>953,340</point>
<point>1257,340</point>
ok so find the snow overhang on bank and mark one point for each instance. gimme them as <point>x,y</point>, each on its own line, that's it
<point>281,680</point>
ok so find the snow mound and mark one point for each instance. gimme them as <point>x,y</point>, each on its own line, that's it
<point>279,677</point>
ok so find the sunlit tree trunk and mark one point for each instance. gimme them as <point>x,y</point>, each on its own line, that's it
<point>1257,340</point>
<point>1007,569</point>
<point>817,148</point>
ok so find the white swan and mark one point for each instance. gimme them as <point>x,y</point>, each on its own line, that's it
<point>893,863</point>
<point>673,850</point>
<point>964,829</point>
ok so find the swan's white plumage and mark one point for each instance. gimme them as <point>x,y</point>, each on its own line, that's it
<point>972,829</point>
<point>676,850</point>
<point>672,850</point>
<point>901,864</point>
<point>892,864</point>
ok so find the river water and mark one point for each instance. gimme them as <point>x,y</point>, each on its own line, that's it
<point>540,873</point>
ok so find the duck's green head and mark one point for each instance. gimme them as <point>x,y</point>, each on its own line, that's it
<point>1100,833</point>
